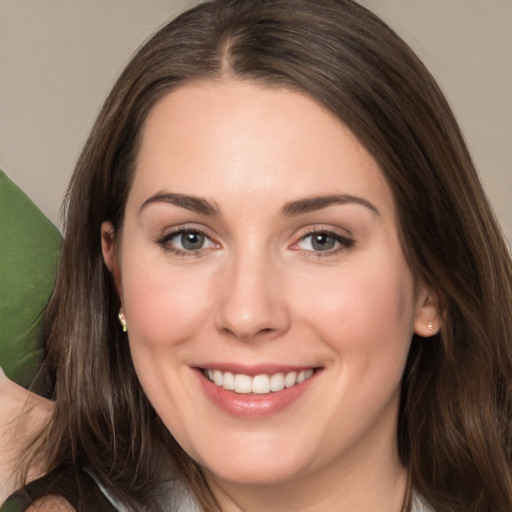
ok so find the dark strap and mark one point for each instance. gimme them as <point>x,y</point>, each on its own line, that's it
<point>75,485</point>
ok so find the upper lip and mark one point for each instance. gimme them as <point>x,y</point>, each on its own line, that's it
<point>252,370</point>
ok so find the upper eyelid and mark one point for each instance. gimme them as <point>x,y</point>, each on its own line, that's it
<point>323,228</point>
<point>175,230</point>
<point>336,236</point>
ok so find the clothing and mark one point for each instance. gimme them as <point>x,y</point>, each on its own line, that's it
<point>65,481</point>
<point>97,498</point>
<point>178,497</point>
<point>419,504</point>
<point>61,482</point>
<point>183,501</point>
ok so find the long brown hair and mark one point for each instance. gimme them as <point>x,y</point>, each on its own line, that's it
<point>455,418</point>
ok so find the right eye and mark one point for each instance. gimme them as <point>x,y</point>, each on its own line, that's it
<point>323,242</point>
<point>186,242</point>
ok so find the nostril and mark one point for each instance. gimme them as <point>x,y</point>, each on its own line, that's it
<point>249,335</point>
<point>251,316</point>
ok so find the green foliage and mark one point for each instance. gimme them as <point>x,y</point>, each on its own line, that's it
<point>29,249</point>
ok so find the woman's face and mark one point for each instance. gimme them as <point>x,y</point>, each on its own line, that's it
<point>260,252</point>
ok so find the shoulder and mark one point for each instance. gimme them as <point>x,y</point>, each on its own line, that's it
<point>22,414</point>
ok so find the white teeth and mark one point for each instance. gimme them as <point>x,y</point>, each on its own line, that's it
<point>277,382</point>
<point>217,377</point>
<point>290,379</point>
<point>259,384</point>
<point>228,381</point>
<point>242,383</point>
<point>304,375</point>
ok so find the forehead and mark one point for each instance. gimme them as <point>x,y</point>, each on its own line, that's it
<point>231,137</point>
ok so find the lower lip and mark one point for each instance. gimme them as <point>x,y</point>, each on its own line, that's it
<point>252,405</point>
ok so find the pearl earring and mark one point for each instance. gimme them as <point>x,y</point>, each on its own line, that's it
<point>122,319</point>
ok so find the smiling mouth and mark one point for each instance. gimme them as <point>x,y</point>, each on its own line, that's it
<point>258,384</point>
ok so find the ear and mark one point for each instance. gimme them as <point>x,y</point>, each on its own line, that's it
<point>427,319</point>
<point>108,248</point>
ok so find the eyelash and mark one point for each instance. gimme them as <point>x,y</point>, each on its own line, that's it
<point>164,242</point>
<point>344,242</point>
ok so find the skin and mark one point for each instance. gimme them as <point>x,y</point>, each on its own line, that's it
<point>22,415</point>
<point>259,292</point>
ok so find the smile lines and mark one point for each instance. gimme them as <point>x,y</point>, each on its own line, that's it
<point>259,384</point>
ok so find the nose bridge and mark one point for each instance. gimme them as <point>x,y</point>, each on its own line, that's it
<point>253,300</point>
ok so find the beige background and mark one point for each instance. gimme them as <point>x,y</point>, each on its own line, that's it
<point>59,58</point>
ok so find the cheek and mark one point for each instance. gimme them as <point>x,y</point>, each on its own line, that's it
<point>366,310</point>
<point>366,317</point>
<point>165,304</point>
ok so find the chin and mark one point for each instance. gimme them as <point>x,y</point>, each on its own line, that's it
<point>250,474</point>
<point>256,467</point>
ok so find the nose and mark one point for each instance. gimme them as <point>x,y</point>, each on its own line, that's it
<point>252,301</point>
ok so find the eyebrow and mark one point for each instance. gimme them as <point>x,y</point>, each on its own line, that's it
<point>192,203</point>
<point>291,209</point>
<point>309,204</point>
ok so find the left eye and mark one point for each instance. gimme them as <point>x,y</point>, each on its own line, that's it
<point>188,240</point>
<point>323,241</point>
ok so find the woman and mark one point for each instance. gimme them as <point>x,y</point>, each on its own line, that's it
<point>277,205</point>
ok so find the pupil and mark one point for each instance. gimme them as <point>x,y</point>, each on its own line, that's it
<point>192,241</point>
<point>323,242</point>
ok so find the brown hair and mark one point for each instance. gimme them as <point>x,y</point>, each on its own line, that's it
<point>455,422</point>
